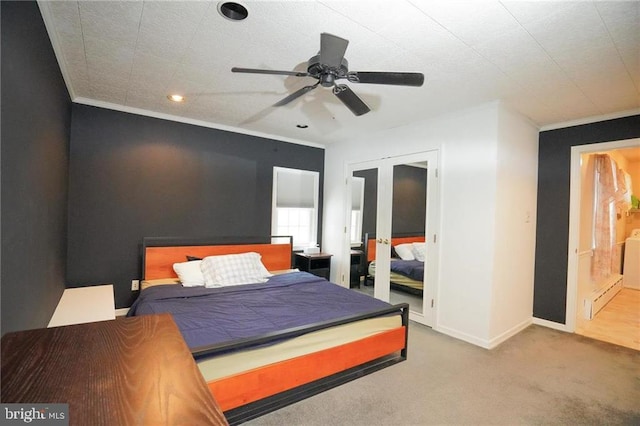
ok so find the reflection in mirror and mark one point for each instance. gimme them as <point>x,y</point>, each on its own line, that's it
<point>357,203</point>
<point>364,195</point>
<point>408,231</point>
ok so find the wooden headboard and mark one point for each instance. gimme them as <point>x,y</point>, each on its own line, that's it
<point>370,243</point>
<point>159,254</point>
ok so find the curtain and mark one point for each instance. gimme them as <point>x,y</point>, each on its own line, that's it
<point>609,199</point>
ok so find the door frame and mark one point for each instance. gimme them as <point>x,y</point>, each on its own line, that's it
<point>350,167</point>
<point>428,316</point>
<point>574,220</point>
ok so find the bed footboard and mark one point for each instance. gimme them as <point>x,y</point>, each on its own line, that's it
<point>250,394</point>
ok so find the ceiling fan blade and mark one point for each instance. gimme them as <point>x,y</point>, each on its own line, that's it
<point>276,72</point>
<point>296,95</point>
<point>395,78</point>
<point>350,99</point>
<point>332,49</point>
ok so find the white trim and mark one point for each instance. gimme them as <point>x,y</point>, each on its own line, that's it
<point>492,343</point>
<point>344,273</point>
<point>574,221</point>
<point>509,333</point>
<point>483,343</point>
<point>122,312</point>
<point>201,123</point>
<point>550,324</point>
<point>589,120</point>
<point>574,237</point>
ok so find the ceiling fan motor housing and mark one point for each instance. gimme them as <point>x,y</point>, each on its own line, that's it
<point>327,75</point>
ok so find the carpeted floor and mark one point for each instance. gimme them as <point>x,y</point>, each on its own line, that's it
<point>538,377</point>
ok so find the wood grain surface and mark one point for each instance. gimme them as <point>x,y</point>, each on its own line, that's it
<point>129,371</point>
<point>618,322</point>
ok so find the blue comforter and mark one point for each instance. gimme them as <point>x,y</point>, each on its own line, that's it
<point>413,269</point>
<point>207,316</point>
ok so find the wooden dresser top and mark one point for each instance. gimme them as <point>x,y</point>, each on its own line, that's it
<point>127,371</point>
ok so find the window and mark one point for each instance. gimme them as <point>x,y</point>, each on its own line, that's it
<point>295,205</point>
<point>357,201</point>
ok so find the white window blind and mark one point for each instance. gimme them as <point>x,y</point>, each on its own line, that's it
<point>295,205</point>
<point>296,188</point>
<point>357,200</point>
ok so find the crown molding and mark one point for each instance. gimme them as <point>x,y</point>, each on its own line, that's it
<point>194,122</point>
<point>589,120</point>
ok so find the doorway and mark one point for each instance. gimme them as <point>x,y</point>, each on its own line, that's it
<point>611,320</point>
<point>392,218</point>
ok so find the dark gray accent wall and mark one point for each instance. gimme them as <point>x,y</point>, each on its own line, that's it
<point>36,117</point>
<point>133,176</point>
<point>409,199</point>
<point>370,207</point>
<point>552,233</point>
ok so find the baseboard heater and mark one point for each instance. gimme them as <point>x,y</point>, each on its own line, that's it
<point>600,297</point>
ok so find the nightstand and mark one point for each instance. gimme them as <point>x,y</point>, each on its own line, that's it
<point>317,264</point>
<point>84,304</point>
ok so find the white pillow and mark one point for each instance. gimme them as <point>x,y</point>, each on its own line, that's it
<point>233,269</point>
<point>405,251</point>
<point>189,273</point>
<point>419,250</point>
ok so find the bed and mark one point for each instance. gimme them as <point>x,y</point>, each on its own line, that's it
<point>340,336</point>
<point>407,262</point>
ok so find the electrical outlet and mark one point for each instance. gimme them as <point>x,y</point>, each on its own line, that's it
<point>135,285</point>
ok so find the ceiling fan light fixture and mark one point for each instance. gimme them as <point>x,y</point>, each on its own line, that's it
<point>233,11</point>
<point>176,98</point>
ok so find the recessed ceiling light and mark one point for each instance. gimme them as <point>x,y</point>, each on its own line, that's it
<point>301,126</point>
<point>233,11</point>
<point>176,98</point>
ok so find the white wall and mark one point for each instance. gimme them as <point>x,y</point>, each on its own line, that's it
<point>468,144</point>
<point>515,234</point>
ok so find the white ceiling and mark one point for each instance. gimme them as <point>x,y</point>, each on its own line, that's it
<point>553,61</point>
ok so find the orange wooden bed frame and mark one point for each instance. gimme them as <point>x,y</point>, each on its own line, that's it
<point>252,393</point>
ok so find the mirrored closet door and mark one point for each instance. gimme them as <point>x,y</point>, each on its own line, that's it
<point>392,231</point>
<point>363,222</point>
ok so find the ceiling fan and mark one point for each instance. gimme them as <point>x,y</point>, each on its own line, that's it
<point>330,65</point>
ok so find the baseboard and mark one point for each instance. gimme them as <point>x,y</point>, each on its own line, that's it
<point>550,324</point>
<point>509,333</point>
<point>483,343</point>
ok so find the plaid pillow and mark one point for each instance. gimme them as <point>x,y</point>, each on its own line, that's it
<point>233,269</point>
<point>419,250</point>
